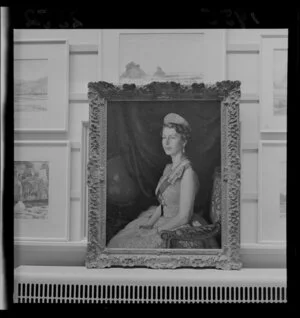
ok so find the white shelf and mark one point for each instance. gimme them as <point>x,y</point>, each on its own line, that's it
<point>141,276</point>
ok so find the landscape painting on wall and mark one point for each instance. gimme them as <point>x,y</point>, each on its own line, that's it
<point>283,189</point>
<point>30,85</point>
<point>280,82</point>
<point>158,57</point>
<point>31,189</point>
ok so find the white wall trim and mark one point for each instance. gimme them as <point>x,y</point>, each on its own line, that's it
<point>100,56</point>
<point>75,146</point>
<point>243,49</point>
<point>249,197</point>
<point>84,162</point>
<point>78,97</point>
<point>249,99</point>
<point>249,147</point>
<point>75,195</point>
<point>274,36</point>
<point>73,254</point>
<point>263,248</point>
<point>273,134</point>
<point>41,41</point>
<point>83,49</point>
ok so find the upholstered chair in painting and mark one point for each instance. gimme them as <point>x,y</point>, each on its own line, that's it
<point>197,235</point>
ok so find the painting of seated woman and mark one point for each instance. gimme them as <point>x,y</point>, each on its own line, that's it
<point>161,161</point>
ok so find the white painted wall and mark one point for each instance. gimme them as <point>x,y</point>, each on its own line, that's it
<point>240,59</point>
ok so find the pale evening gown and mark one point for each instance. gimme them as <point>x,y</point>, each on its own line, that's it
<point>134,237</point>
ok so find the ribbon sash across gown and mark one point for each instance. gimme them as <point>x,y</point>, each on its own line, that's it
<point>168,194</point>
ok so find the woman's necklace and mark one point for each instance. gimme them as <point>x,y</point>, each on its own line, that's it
<point>177,164</point>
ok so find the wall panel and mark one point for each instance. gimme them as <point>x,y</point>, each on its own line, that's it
<point>83,69</point>
<point>244,67</point>
<point>249,172</point>
<point>75,170</point>
<point>249,122</point>
<point>75,226</point>
<point>87,57</point>
<point>78,112</point>
<point>250,36</point>
<point>74,36</point>
<point>248,222</point>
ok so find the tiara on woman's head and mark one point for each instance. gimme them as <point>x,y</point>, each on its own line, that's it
<point>173,118</point>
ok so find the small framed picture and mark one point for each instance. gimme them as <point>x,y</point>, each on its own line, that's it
<point>41,89</point>
<point>41,190</point>
<point>273,83</point>
<point>272,192</point>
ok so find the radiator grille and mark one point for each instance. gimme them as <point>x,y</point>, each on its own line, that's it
<point>91,293</point>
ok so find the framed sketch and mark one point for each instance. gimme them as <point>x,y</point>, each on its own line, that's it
<point>41,94</point>
<point>164,175</point>
<point>144,55</point>
<point>272,192</point>
<point>273,83</point>
<point>41,190</point>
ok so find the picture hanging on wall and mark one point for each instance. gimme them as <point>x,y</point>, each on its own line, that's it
<point>31,189</point>
<point>272,192</point>
<point>141,56</point>
<point>164,175</point>
<point>41,190</point>
<point>146,57</point>
<point>273,83</point>
<point>41,86</point>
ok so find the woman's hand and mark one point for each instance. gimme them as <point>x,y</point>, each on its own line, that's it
<point>152,220</point>
<point>146,226</point>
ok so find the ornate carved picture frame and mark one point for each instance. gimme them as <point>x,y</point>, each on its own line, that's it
<point>126,159</point>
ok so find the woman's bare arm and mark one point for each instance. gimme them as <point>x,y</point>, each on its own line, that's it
<point>187,197</point>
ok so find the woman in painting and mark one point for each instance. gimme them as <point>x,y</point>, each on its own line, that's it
<point>176,191</point>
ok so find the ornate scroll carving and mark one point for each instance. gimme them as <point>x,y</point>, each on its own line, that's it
<point>100,94</point>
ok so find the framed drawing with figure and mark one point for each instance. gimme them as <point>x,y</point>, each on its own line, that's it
<point>164,175</point>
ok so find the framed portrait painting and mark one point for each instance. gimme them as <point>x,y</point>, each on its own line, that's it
<point>41,190</point>
<point>41,87</point>
<point>164,175</point>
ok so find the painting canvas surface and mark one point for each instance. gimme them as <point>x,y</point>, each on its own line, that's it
<point>136,161</point>
<point>30,85</point>
<point>31,189</point>
<point>280,82</point>
<point>144,58</point>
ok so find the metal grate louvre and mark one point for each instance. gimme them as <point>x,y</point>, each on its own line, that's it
<point>96,293</point>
